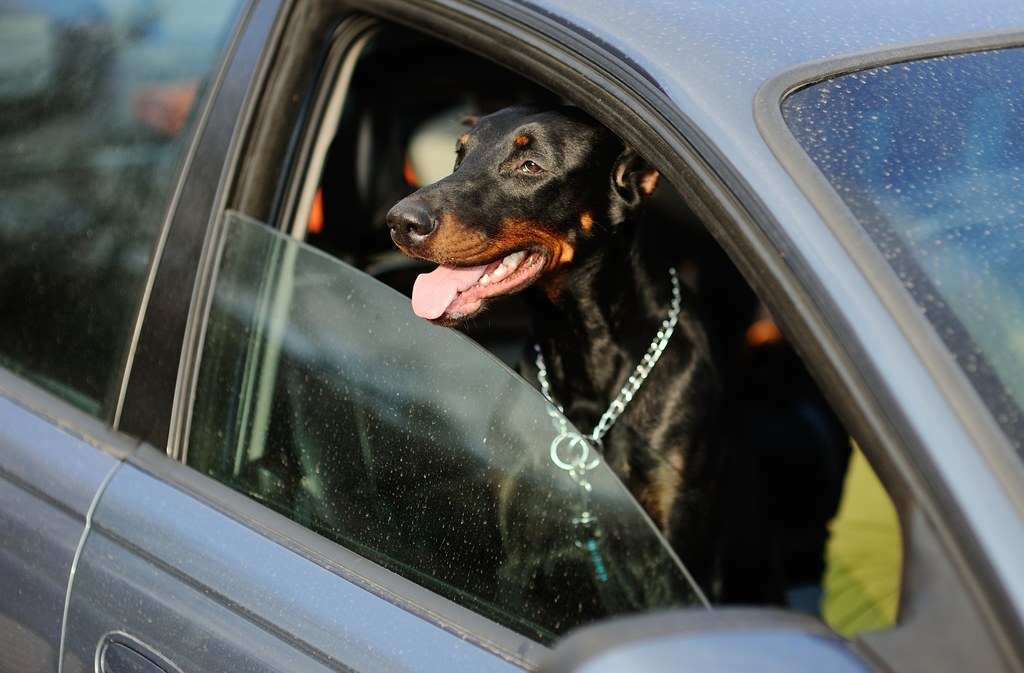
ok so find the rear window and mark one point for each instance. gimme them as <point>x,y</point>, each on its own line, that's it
<point>929,157</point>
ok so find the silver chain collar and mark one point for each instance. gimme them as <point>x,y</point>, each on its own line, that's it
<point>640,374</point>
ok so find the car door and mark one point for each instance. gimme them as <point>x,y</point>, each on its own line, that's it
<point>362,491</point>
<point>347,497</point>
<point>49,478</point>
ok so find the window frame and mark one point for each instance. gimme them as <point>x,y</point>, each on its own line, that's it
<point>258,133</point>
<point>315,127</point>
<point>575,69</point>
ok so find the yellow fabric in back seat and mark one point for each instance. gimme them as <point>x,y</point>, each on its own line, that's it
<point>864,555</point>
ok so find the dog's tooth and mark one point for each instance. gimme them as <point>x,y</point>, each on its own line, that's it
<point>514,258</point>
<point>507,264</point>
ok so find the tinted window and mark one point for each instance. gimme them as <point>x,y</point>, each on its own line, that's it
<point>321,395</point>
<point>95,100</point>
<point>929,156</point>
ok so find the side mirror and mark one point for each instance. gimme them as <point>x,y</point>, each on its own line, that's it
<point>730,640</point>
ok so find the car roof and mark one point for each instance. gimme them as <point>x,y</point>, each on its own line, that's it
<point>719,54</point>
<point>711,58</point>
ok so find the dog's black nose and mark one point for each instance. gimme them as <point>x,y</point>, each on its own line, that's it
<point>411,223</point>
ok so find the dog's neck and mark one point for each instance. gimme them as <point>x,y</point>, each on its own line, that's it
<point>599,323</point>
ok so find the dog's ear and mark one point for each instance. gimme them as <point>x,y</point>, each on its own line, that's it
<point>633,178</point>
<point>469,120</point>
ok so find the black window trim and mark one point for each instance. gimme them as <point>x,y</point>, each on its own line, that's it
<point>149,392</point>
<point>327,96</point>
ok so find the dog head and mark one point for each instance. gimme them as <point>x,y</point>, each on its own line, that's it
<point>532,193</point>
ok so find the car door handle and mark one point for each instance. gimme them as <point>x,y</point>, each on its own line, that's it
<point>119,657</point>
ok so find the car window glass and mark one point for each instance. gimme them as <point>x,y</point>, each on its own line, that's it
<point>321,395</point>
<point>929,156</point>
<point>95,99</point>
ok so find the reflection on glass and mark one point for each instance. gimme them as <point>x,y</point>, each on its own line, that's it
<point>94,100</point>
<point>321,395</point>
<point>929,156</point>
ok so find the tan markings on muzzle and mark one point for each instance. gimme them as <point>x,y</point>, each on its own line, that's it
<point>586,221</point>
<point>520,234</point>
<point>455,243</point>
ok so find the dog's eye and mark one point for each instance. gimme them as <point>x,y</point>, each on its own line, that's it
<point>530,167</point>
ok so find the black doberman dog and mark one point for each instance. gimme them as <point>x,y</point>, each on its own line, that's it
<point>546,201</point>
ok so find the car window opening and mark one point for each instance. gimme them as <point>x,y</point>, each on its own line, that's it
<point>392,140</point>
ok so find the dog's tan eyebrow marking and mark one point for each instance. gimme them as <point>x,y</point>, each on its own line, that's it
<point>463,139</point>
<point>522,140</point>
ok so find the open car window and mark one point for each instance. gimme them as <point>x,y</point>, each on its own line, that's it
<point>321,395</point>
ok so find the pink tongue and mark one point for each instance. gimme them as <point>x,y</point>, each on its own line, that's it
<point>433,292</point>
